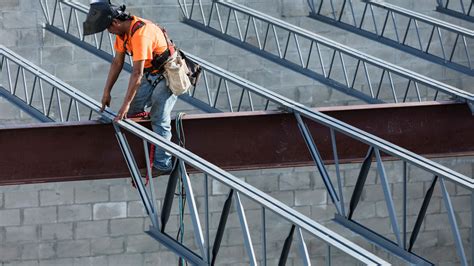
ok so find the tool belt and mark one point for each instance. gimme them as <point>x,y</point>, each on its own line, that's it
<point>158,62</point>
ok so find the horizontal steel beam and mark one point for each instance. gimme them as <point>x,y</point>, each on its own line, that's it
<point>233,141</point>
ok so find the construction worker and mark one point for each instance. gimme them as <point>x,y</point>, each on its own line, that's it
<point>150,49</point>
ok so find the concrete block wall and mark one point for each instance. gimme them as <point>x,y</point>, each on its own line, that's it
<point>102,222</point>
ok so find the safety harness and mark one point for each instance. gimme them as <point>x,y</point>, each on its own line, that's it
<point>159,60</point>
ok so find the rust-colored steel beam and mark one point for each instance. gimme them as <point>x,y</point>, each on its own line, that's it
<point>234,141</point>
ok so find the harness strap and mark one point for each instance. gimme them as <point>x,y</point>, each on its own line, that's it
<point>136,26</point>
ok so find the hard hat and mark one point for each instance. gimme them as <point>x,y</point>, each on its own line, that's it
<point>100,16</point>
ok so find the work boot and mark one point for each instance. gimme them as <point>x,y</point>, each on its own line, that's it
<point>159,172</point>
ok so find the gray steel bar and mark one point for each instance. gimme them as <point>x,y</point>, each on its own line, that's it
<point>152,187</point>
<point>245,229</point>
<point>388,197</point>
<point>198,236</point>
<point>302,248</point>
<point>338,172</point>
<point>472,226</point>
<point>264,238</point>
<point>405,179</point>
<point>328,256</point>
<point>452,221</point>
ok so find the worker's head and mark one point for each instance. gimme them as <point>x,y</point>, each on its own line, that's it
<point>103,15</point>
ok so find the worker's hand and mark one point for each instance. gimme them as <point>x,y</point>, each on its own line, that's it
<point>122,113</point>
<point>105,101</point>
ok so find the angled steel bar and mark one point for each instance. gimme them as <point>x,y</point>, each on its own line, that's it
<point>207,226</point>
<point>245,229</point>
<point>431,84</point>
<point>303,248</point>
<point>453,223</point>
<point>286,247</point>
<point>338,172</point>
<point>359,186</point>
<point>328,256</point>
<point>198,235</point>
<point>168,199</point>
<point>454,31</point>
<point>456,11</point>
<point>318,161</point>
<point>152,188</point>
<point>422,213</point>
<point>264,237</point>
<point>405,179</point>
<point>388,197</point>
<point>221,227</point>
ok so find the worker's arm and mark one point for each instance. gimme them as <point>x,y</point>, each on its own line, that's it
<point>133,84</point>
<point>114,71</point>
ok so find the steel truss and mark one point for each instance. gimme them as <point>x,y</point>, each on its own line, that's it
<point>403,29</point>
<point>238,189</point>
<point>36,93</point>
<point>375,144</point>
<point>461,9</point>
<point>317,57</point>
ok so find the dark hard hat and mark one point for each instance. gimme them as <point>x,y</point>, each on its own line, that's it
<point>100,16</point>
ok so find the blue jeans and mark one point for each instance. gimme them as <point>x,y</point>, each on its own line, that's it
<point>162,101</point>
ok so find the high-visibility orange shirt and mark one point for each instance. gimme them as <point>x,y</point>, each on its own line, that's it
<point>145,42</point>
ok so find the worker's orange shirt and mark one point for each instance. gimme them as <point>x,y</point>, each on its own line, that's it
<point>145,42</point>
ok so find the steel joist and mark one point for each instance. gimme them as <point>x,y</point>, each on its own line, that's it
<point>461,9</point>
<point>37,92</point>
<point>343,68</point>
<point>406,30</point>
